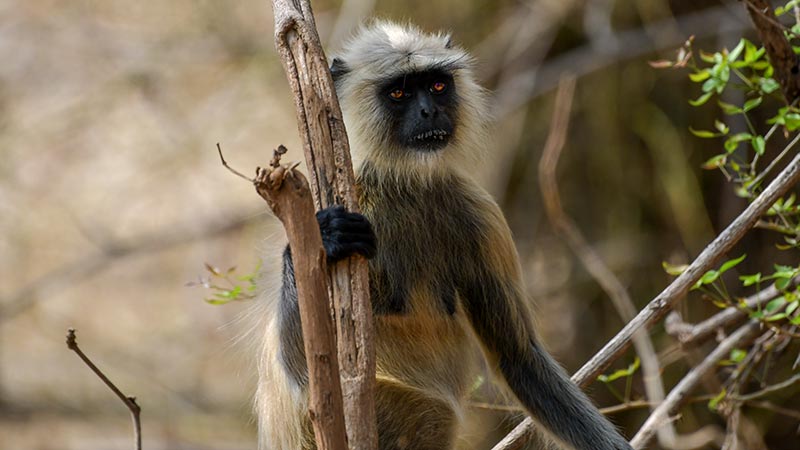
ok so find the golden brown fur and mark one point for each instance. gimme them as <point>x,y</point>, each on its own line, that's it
<point>445,280</point>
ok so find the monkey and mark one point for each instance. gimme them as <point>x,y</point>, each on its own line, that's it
<point>444,274</point>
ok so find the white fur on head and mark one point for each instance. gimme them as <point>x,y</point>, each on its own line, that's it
<point>383,50</point>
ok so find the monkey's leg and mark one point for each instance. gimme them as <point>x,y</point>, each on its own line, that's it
<point>408,419</point>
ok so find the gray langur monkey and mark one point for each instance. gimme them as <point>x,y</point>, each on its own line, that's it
<point>444,272</point>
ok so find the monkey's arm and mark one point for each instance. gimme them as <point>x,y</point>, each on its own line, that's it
<point>343,234</point>
<point>494,302</point>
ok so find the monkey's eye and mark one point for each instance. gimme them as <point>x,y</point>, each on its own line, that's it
<point>438,87</point>
<point>397,94</point>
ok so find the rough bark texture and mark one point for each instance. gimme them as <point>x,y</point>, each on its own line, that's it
<point>287,193</point>
<point>779,50</point>
<point>332,182</point>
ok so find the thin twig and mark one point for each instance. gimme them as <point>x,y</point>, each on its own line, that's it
<point>679,393</point>
<point>591,260</point>
<point>688,334</point>
<point>768,390</point>
<point>775,161</point>
<point>773,407</point>
<point>130,402</point>
<point>234,171</point>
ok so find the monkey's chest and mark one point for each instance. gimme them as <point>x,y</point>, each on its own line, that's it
<point>422,263</point>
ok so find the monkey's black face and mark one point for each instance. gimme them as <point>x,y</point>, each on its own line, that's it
<point>422,108</point>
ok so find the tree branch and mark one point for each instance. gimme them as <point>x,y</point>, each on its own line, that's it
<point>661,305</point>
<point>591,260</point>
<point>332,182</point>
<point>779,50</point>
<point>688,383</point>
<point>130,402</point>
<point>688,334</point>
<point>286,191</point>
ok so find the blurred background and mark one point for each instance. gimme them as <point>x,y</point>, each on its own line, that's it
<point>112,196</point>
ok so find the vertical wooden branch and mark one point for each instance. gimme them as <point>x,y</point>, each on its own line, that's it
<point>332,181</point>
<point>287,193</point>
<point>779,50</point>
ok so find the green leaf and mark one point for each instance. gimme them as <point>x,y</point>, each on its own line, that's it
<point>729,109</point>
<point>707,278</point>
<point>708,57</point>
<point>701,100</point>
<point>702,133</point>
<point>774,305</point>
<point>737,355</point>
<point>733,142</point>
<point>675,270</point>
<point>731,264</point>
<point>749,280</point>
<point>792,121</point>
<point>758,144</point>
<point>768,85</point>
<point>700,75</point>
<point>734,54</point>
<point>712,404</point>
<point>715,162</point>
<point>782,283</point>
<point>212,301</point>
<point>792,306</point>
<point>621,372</point>
<point>775,317</point>
<point>752,103</point>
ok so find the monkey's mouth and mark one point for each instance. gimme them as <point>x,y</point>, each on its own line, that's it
<point>430,140</point>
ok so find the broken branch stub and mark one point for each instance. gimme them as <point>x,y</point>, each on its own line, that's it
<point>286,191</point>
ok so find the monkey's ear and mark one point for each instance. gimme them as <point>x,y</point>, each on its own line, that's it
<point>338,69</point>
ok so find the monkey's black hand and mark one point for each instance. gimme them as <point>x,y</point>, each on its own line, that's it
<point>345,233</point>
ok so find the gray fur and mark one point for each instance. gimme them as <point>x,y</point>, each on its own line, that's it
<point>446,277</point>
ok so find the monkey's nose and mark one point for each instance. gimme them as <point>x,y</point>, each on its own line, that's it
<point>429,112</point>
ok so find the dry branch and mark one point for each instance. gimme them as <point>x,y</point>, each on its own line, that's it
<point>681,391</point>
<point>332,182</point>
<point>130,402</point>
<point>661,305</point>
<point>591,260</point>
<point>695,334</point>
<point>287,193</point>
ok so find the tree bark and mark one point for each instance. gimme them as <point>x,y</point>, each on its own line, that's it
<point>332,182</point>
<point>779,50</point>
<point>287,193</point>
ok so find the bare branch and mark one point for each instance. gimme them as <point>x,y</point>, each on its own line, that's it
<point>591,260</point>
<point>231,169</point>
<point>768,390</point>
<point>332,181</point>
<point>682,390</point>
<point>287,193</point>
<point>130,402</point>
<point>688,334</point>
<point>662,304</point>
